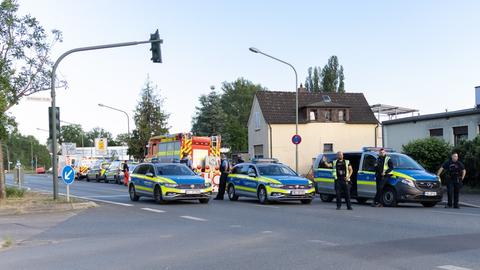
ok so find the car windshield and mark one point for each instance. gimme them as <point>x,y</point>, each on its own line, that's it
<point>115,165</point>
<point>404,162</point>
<point>274,169</point>
<point>174,169</point>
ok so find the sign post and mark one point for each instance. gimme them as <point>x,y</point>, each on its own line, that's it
<point>68,176</point>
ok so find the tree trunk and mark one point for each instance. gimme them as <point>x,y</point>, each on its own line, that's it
<point>3,195</point>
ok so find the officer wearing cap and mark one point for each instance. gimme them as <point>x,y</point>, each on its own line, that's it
<point>456,173</point>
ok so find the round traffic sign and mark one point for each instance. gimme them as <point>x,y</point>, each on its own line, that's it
<point>296,139</point>
<point>68,175</point>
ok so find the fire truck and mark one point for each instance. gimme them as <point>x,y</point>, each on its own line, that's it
<point>204,153</point>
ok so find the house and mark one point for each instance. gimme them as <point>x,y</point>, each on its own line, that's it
<point>328,122</point>
<point>453,127</point>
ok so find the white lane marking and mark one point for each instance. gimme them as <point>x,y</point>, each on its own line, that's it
<point>266,232</point>
<point>465,204</point>
<point>452,267</point>
<point>193,218</point>
<point>153,210</point>
<point>453,213</point>
<point>326,243</point>
<point>266,206</point>
<point>235,226</point>
<point>108,196</point>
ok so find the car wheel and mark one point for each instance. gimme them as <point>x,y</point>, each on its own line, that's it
<point>96,178</point>
<point>389,197</point>
<point>326,197</point>
<point>362,200</point>
<point>88,178</point>
<point>204,201</point>
<point>429,204</point>
<point>262,195</point>
<point>306,201</point>
<point>133,195</point>
<point>231,193</point>
<point>157,195</point>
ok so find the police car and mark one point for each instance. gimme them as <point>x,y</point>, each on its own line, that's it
<point>408,182</point>
<point>268,181</point>
<point>167,182</point>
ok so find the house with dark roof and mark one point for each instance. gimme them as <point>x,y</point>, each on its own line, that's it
<point>328,122</point>
<point>453,126</point>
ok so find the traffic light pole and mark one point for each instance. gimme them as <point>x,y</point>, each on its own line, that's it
<point>52,92</point>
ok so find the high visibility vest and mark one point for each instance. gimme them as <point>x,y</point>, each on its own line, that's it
<point>334,168</point>
<point>385,164</point>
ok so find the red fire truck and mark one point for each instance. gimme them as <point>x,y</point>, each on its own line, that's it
<point>203,151</point>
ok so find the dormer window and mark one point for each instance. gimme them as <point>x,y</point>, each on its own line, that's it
<point>326,98</point>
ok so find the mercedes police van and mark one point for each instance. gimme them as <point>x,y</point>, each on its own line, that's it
<point>408,182</point>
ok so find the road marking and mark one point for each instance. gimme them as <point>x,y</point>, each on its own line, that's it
<point>466,204</point>
<point>266,206</point>
<point>153,210</point>
<point>235,226</point>
<point>193,218</point>
<point>452,267</point>
<point>266,232</point>
<point>326,243</point>
<point>108,196</point>
<point>462,214</point>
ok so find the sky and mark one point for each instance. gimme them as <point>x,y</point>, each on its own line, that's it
<point>417,54</point>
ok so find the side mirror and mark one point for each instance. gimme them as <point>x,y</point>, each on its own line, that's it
<point>252,174</point>
<point>149,174</point>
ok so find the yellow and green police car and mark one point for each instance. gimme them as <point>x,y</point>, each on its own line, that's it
<point>268,181</point>
<point>168,182</point>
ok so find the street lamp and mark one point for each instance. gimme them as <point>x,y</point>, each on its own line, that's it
<point>255,50</point>
<point>115,109</point>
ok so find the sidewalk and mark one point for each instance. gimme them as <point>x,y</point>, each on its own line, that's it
<point>468,199</point>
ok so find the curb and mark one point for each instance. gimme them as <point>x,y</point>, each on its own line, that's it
<point>49,209</point>
<point>464,204</point>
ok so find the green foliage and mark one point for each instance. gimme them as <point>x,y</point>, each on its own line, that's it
<point>150,119</point>
<point>469,154</point>
<point>98,132</point>
<point>328,79</point>
<point>210,119</point>
<point>431,153</point>
<point>122,139</point>
<point>14,192</point>
<point>20,147</point>
<point>74,134</point>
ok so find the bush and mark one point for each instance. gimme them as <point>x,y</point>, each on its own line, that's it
<point>14,192</point>
<point>469,152</point>
<point>431,153</point>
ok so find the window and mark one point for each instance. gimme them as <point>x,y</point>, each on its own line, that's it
<point>173,169</point>
<point>313,115</point>
<point>369,163</point>
<point>257,120</point>
<point>436,132</point>
<point>243,169</point>
<point>326,98</point>
<point>341,115</point>
<point>150,169</point>
<point>327,147</point>
<point>460,134</point>
<point>141,169</point>
<point>258,151</point>
<point>251,170</point>
<point>327,115</point>
<point>275,170</point>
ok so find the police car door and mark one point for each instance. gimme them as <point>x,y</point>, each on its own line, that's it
<point>366,184</point>
<point>252,180</point>
<point>138,178</point>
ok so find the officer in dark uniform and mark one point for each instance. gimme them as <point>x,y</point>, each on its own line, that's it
<point>382,170</point>
<point>341,171</point>
<point>456,173</point>
<point>224,170</point>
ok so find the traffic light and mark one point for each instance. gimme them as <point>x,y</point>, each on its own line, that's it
<point>55,128</point>
<point>156,51</point>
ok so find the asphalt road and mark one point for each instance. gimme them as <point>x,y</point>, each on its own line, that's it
<point>121,234</point>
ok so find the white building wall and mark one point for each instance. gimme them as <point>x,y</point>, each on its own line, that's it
<point>258,130</point>
<point>396,135</point>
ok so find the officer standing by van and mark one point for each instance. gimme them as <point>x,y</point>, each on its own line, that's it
<point>383,168</point>
<point>224,170</point>
<point>341,171</point>
<point>455,174</point>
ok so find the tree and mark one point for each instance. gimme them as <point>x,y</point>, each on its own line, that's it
<point>469,154</point>
<point>25,65</point>
<point>237,99</point>
<point>150,119</point>
<point>328,79</point>
<point>122,139</point>
<point>429,152</point>
<point>74,134</point>
<point>98,132</point>
<point>210,119</point>
<point>25,149</point>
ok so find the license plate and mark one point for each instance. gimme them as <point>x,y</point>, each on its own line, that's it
<point>193,191</point>
<point>298,192</point>
<point>430,193</point>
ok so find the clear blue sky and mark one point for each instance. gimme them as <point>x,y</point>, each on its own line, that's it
<point>418,54</point>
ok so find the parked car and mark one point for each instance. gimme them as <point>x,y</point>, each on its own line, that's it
<point>40,170</point>
<point>115,172</point>
<point>97,171</point>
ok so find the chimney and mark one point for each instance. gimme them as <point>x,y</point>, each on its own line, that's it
<point>477,97</point>
<point>303,89</point>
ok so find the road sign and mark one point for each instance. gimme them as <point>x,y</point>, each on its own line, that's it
<point>69,149</point>
<point>101,145</point>
<point>68,175</point>
<point>296,139</point>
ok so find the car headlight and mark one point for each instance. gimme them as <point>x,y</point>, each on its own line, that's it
<point>276,185</point>
<point>208,184</point>
<point>407,182</point>
<point>170,185</point>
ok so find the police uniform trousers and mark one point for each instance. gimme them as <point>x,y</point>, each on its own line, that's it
<point>342,187</point>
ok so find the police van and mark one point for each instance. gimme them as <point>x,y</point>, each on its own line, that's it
<point>408,182</point>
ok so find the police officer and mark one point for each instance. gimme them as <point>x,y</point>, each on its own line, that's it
<point>383,168</point>
<point>341,171</point>
<point>224,170</point>
<point>126,174</point>
<point>456,173</point>
<point>186,160</point>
